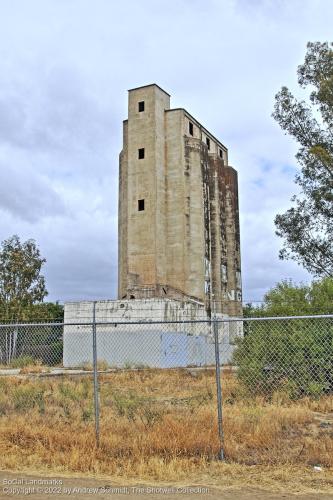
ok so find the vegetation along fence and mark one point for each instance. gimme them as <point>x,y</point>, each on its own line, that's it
<point>186,388</point>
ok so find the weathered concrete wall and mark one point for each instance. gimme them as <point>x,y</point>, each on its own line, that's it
<point>123,214</point>
<point>122,346</point>
<point>142,233</point>
<point>194,212</point>
<point>127,335</point>
<point>134,310</point>
<point>175,201</point>
<point>232,293</point>
<point>186,242</point>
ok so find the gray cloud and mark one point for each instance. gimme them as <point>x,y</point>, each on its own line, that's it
<point>27,196</point>
<point>64,70</point>
<point>59,114</point>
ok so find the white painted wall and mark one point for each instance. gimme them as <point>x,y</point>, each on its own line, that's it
<point>162,345</point>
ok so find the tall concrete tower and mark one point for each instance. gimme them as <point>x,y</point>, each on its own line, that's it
<point>178,208</point>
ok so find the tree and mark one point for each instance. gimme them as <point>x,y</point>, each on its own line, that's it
<point>22,291</point>
<point>289,299</point>
<point>21,284</point>
<point>307,227</point>
<point>45,311</point>
<point>294,356</point>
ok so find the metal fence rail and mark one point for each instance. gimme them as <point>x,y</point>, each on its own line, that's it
<point>261,357</point>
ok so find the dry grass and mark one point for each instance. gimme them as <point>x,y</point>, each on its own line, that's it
<point>158,425</point>
<point>36,368</point>
<point>26,365</point>
<point>102,365</point>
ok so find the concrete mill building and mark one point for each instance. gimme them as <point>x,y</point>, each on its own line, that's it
<point>179,246</point>
<point>178,208</point>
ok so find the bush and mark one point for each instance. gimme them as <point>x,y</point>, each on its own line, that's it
<point>57,351</point>
<point>294,356</point>
<point>23,361</point>
<point>133,407</point>
<point>27,397</point>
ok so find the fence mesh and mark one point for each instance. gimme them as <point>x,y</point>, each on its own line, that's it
<point>158,380</point>
<point>290,354</point>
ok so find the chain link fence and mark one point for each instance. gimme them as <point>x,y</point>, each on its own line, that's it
<point>144,375</point>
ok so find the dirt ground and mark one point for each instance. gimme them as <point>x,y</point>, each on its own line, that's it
<point>22,486</point>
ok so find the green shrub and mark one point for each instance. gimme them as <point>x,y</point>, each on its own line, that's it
<point>87,414</point>
<point>23,361</point>
<point>294,356</point>
<point>56,353</point>
<point>4,404</point>
<point>67,390</point>
<point>133,407</point>
<point>26,397</point>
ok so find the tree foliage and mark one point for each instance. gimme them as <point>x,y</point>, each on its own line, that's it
<point>290,355</point>
<point>22,287</point>
<point>289,299</point>
<point>307,227</point>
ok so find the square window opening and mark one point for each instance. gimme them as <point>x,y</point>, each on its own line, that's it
<point>190,128</point>
<point>141,153</point>
<point>141,205</point>
<point>141,106</point>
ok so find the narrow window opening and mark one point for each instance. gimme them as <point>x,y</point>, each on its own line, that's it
<point>190,128</point>
<point>141,153</point>
<point>141,106</point>
<point>208,143</point>
<point>221,153</point>
<point>141,205</point>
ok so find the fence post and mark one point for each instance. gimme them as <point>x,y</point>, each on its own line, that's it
<point>218,388</point>
<point>96,395</point>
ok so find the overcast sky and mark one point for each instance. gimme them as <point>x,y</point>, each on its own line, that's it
<point>65,67</point>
